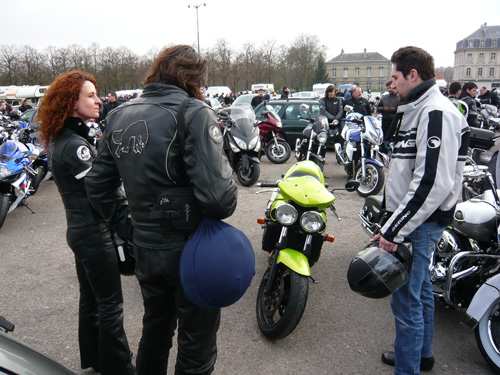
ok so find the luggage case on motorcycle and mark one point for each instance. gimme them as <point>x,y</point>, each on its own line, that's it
<point>481,138</point>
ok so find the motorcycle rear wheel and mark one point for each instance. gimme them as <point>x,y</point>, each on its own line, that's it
<point>373,182</point>
<point>279,312</point>
<point>278,154</point>
<point>488,335</point>
<point>251,177</point>
<point>4,207</point>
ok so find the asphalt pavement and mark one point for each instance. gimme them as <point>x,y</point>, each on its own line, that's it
<point>339,333</point>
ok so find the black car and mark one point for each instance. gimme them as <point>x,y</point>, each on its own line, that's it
<point>289,110</point>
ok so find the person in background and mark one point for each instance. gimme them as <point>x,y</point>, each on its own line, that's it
<point>331,106</point>
<point>157,166</point>
<point>422,188</point>
<point>25,106</point>
<point>359,104</point>
<point>487,97</point>
<point>453,94</point>
<point>286,92</point>
<point>69,104</point>
<point>387,106</point>
<point>256,100</point>
<point>468,95</point>
<point>110,105</point>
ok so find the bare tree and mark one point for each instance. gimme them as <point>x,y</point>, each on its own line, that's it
<point>9,64</point>
<point>302,58</point>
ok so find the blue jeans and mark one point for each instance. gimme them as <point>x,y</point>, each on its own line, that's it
<point>413,304</point>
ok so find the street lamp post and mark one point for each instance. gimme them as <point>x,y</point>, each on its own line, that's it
<point>196,6</point>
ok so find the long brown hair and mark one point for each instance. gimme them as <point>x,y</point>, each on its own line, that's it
<point>181,66</point>
<point>59,102</point>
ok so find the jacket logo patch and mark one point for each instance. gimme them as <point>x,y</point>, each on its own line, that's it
<point>132,139</point>
<point>215,133</point>
<point>433,142</point>
<point>83,153</point>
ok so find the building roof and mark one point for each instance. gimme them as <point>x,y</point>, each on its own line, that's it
<point>358,57</point>
<point>484,32</point>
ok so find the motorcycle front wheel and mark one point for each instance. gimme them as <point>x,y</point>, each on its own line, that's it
<point>488,335</point>
<point>298,154</point>
<point>278,154</point>
<point>4,207</point>
<point>373,182</point>
<point>250,177</point>
<point>280,310</point>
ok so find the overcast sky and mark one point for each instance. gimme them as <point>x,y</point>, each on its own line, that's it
<point>139,25</point>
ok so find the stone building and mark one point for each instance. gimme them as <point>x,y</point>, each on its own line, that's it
<point>369,70</point>
<point>477,57</point>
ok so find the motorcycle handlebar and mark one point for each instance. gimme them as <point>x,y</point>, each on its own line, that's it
<point>267,184</point>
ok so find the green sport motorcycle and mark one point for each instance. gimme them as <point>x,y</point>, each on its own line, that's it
<point>294,232</point>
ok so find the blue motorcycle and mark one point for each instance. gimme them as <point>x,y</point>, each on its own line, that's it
<point>16,175</point>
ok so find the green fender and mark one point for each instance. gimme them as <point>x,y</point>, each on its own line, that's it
<point>295,260</point>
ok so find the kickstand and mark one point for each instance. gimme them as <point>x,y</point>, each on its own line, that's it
<point>28,207</point>
<point>313,280</point>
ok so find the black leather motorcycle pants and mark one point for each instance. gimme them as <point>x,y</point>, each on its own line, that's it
<point>165,305</point>
<point>102,339</point>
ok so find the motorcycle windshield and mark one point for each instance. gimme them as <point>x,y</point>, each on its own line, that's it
<point>373,130</point>
<point>11,150</point>
<point>273,114</point>
<point>243,118</point>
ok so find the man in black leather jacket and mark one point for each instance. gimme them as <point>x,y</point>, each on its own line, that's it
<point>360,104</point>
<point>468,95</point>
<point>141,148</point>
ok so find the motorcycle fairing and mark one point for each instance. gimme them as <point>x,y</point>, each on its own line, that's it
<point>488,292</point>
<point>306,191</point>
<point>295,260</point>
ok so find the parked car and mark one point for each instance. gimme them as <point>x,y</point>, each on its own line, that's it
<point>289,110</point>
<point>244,99</point>
<point>214,103</point>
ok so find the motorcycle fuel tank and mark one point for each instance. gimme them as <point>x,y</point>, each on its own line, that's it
<point>476,219</point>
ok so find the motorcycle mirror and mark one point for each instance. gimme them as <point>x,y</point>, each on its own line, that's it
<point>304,107</point>
<point>352,185</point>
<point>348,108</point>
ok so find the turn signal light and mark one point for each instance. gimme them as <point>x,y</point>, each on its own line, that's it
<point>261,220</point>
<point>329,238</point>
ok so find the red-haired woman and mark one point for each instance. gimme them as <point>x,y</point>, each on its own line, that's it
<point>71,102</point>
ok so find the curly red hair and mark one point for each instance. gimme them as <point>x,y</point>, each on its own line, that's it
<point>59,102</point>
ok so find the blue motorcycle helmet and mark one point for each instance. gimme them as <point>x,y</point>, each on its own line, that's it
<point>217,265</point>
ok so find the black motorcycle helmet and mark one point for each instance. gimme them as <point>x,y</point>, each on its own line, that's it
<point>15,115</point>
<point>376,273</point>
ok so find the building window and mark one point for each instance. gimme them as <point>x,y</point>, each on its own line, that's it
<point>369,71</point>
<point>479,72</point>
<point>368,86</point>
<point>494,43</point>
<point>380,85</point>
<point>493,57</point>
<point>467,72</point>
<point>381,71</point>
<point>469,58</point>
<point>346,72</point>
<point>481,58</point>
<point>482,43</point>
<point>470,43</point>
<point>356,72</point>
<point>492,72</point>
<point>334,73</point>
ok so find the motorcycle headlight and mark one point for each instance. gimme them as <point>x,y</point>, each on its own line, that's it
<point>233,147</point>
<point>254,144</point>
<point>312,221</point>
<point>241,143</point>
<point>322,137</point>
<point>4,172</point>
<point>286,214</point>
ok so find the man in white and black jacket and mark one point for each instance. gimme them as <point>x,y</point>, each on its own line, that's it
<point>421,191</point>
